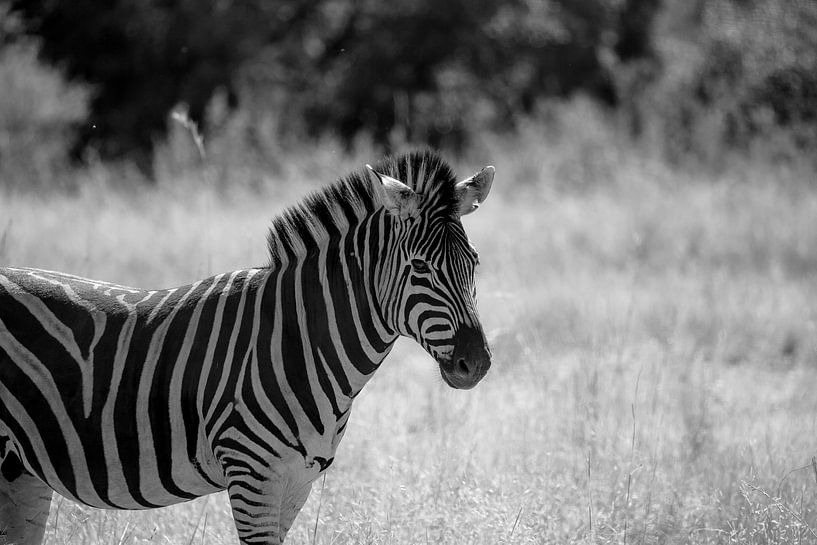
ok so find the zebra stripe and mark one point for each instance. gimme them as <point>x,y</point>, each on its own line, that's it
<point>125,398</point>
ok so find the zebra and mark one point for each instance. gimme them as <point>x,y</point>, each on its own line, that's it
<point>124,398</point>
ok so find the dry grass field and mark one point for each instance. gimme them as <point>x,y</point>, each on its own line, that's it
<point>655,354</point>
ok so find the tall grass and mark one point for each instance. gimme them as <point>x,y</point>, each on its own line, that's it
<point>654,336</point>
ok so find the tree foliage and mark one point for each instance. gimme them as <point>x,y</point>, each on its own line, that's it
<point>434,70</point>
<point>736,75</point>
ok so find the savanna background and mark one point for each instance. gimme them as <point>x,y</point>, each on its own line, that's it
<point>649,249</point>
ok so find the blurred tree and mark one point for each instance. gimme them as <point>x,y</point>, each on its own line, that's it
<point>738,74</point>
<point>422,71</point>
<point>38,108</point>
<point>438,71</point>
<point>145,56</point>
<point>635,27</point>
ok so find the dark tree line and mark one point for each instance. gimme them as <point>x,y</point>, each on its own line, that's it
<point>433,68</point>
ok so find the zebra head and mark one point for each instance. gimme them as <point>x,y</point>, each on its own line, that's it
<point>426,281</point>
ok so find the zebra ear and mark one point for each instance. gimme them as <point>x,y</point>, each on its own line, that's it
<point>472,191</point>
<point>397,197</point>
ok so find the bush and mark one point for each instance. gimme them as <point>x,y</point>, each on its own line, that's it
<point>735,76</point>
<point>38,109</point>
<point>427,71</point>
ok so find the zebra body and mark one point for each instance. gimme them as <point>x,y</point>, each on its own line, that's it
<point>131,399</point>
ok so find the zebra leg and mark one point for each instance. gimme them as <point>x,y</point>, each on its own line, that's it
<point>291,506</point>
<point>24,505</point>
<point>264,510</point>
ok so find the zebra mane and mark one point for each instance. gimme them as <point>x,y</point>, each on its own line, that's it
<point>352,198</point>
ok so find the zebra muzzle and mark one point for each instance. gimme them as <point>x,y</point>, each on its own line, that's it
<point>469,361</point>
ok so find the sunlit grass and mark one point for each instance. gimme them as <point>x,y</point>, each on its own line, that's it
<point>655,358</point>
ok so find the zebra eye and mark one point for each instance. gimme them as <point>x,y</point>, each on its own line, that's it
<point>420,267</point>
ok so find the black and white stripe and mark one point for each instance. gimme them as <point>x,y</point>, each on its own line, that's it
<point>126,398</point>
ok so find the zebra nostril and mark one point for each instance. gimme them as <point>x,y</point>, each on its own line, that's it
<point>463,367</point>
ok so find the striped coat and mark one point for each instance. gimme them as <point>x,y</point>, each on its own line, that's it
<point>130,399</point>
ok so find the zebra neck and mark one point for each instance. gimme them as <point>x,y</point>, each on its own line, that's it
<point>325,326</point>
